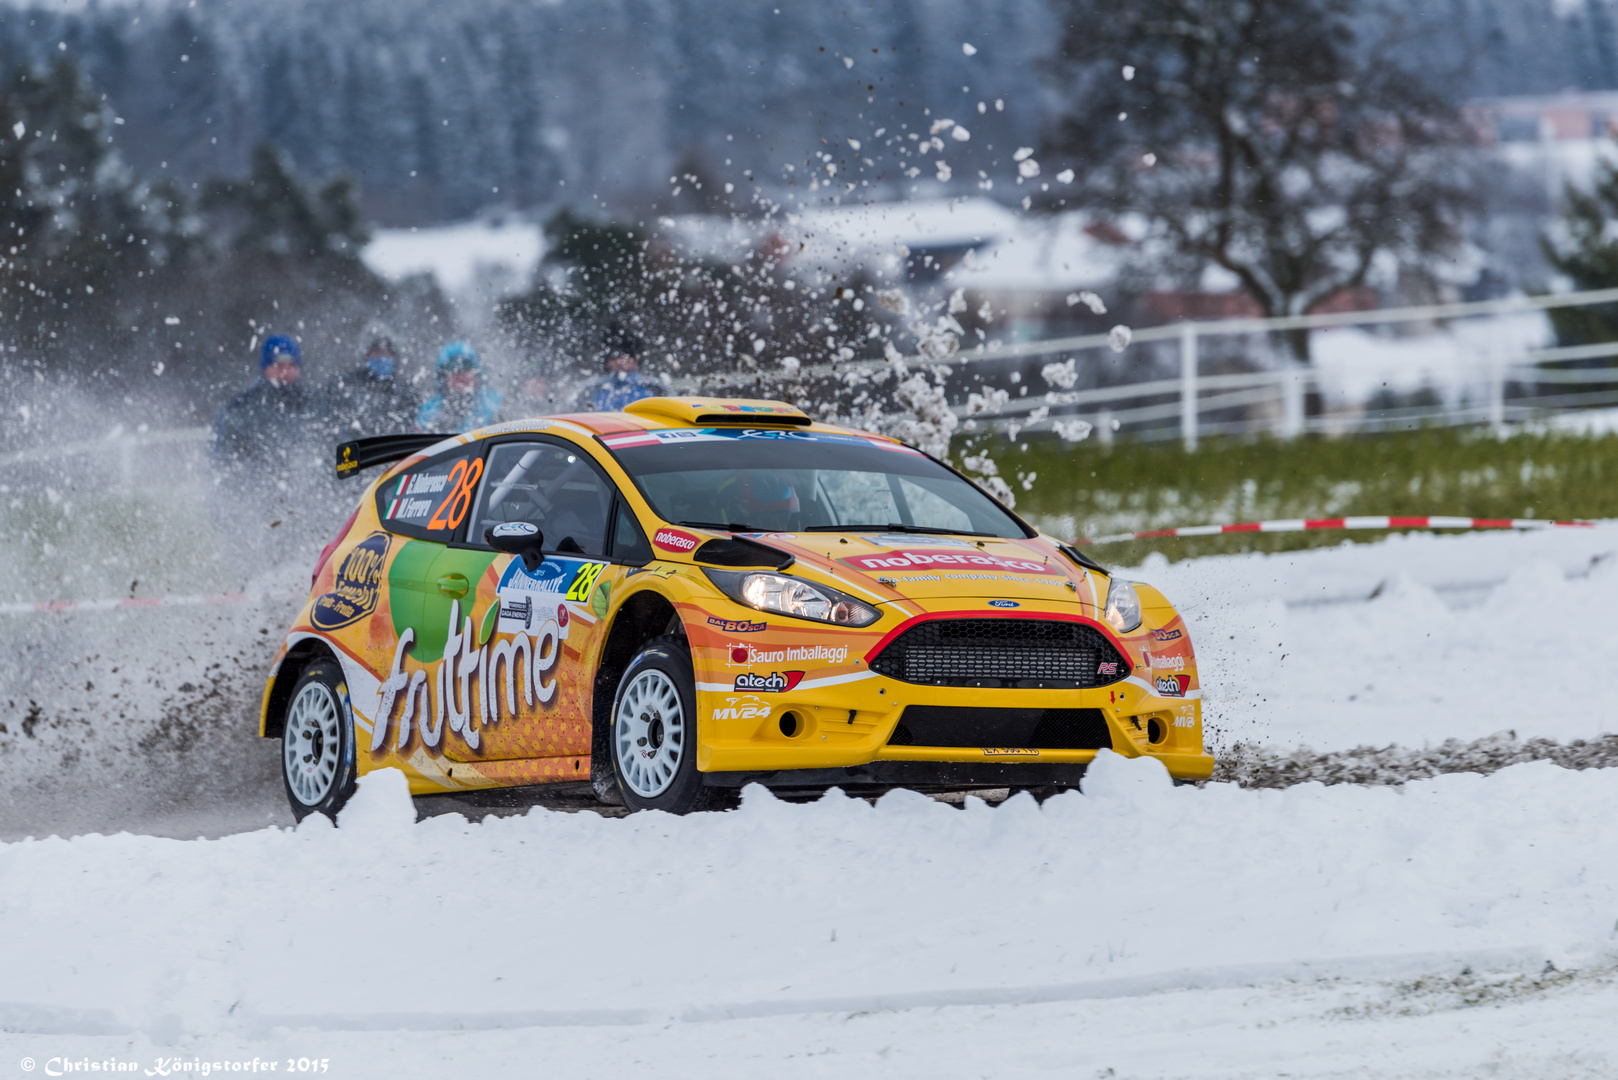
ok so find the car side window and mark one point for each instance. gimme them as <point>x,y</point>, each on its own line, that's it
<point>628,542</point>
<point>554,487</point>
<point>430,501</point>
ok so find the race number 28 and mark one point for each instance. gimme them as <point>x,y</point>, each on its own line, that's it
<point>452,511</point>
<point>579,591</point>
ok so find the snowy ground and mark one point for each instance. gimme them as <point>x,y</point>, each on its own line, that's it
<point>1458,926</point>
<point>1410,641</point>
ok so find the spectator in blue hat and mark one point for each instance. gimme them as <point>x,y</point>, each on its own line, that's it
<point>270,419</point>
<point>462,402</point>
<point>267,502</point>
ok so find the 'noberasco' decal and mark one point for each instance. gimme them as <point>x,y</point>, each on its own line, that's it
<point>675,540</point>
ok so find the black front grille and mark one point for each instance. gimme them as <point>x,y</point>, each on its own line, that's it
<point>1039,729</point>
<point>1025,653</point>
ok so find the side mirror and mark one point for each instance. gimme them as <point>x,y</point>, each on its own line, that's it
<point>517,538</point>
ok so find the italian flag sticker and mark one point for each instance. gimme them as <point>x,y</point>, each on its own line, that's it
<point>398,494</point>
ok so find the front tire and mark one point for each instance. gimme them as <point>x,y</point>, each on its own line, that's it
<point>317,743</point>
<point>653,733</point>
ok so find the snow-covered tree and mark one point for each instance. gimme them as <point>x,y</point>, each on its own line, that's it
<point>76,219</point>
<point>1296,144</point>
<point>273,213</point>
<point>1585,249</point>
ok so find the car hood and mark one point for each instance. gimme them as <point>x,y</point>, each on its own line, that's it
<point>897,566</point>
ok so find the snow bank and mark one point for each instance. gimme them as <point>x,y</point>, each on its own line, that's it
<point>1411,641</point>
<point>778,908</point>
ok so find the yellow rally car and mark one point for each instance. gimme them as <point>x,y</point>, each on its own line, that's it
<point>693,595</point>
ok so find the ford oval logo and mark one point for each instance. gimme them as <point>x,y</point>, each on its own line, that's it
<point>1004,603</point>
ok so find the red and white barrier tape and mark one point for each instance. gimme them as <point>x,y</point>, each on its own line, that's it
<point>30,607</point>
<point>1310,524</point>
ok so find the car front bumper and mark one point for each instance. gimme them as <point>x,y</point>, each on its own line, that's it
<point>850,726</point>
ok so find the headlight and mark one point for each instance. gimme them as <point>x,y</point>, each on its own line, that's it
<point>800,599</point>
<point>1123,606</point>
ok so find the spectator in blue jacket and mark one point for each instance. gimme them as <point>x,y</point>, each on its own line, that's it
<point>462,402</point>
<point>622,382</point>
<point>259,427</point>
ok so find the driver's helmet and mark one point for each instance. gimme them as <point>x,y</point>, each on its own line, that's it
<point>767,491</point>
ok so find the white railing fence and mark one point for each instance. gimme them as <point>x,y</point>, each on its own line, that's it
<point>1193,395</point>
<point>1273,400</point>
<point>1503,388</point>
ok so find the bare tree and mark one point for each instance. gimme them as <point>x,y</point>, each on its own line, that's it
<point>1291,142</point>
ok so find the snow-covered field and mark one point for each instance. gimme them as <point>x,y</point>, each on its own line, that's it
<point>1410,641</point>
<point>1459,926</point>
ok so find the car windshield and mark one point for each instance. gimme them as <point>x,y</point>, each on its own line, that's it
<point>796,481</point>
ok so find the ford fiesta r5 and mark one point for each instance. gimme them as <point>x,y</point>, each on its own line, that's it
<point>692,595</point>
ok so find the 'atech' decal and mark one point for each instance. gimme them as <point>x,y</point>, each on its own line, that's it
<point>1172,685</point>
<point>775,682</point>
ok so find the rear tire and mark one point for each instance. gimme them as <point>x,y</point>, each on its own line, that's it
<point>653,732</point>
<point>317,742</point>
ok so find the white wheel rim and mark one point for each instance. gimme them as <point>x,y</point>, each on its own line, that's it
<point>309,749</point>
<point>649,733</point>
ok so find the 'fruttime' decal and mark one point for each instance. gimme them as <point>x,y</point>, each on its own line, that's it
<point>460,693</point>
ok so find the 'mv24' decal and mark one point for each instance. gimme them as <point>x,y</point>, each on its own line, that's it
<point>466,675</point>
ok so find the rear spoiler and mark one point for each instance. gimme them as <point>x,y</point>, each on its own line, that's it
<point>381,449</point>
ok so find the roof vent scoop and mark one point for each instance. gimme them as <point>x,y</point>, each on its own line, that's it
<point>691,411</point>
